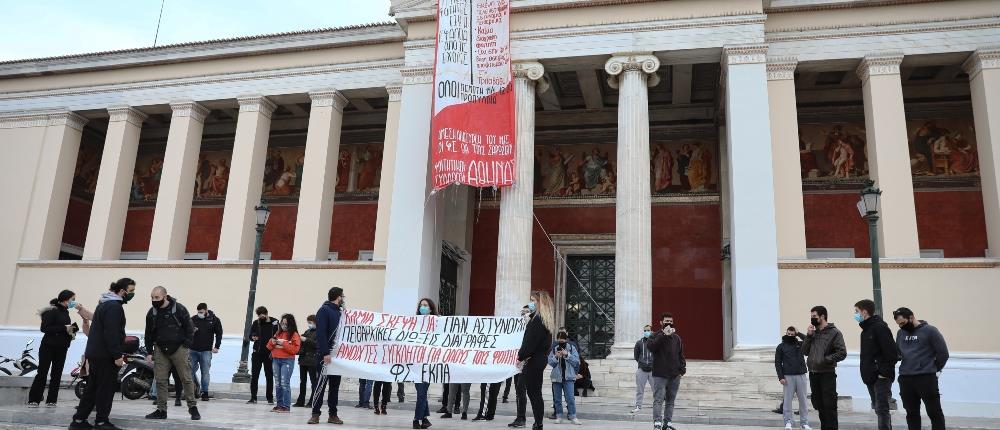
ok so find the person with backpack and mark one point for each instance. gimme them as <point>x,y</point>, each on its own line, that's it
<point>59,332</point>
<point>283,346</point>
<point>644,371</point>
<point>169,333</point>
<point>207,340</point>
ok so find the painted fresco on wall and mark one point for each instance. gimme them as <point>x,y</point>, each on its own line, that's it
<point>833,152</point>
<point>942,148</point>
<point>88,163</point>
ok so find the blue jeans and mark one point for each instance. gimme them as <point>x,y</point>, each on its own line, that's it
<point>365,392</point>
<point>560,389</point>
<point>202,360</point>
<point>422,409</point>
<point>283,380</point>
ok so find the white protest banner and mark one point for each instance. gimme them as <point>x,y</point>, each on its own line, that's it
<point>433,349</point>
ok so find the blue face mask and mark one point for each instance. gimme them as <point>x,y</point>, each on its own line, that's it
<point>531,306</point>
<point>647,334</point>
<point>72,304</point>
<point>425,310</point>
<point>857,317</point>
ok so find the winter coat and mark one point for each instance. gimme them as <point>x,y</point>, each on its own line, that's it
<point>327,321</point>
<point>923,349</point>
<point>291,346</point>
<point>564,368</point>
<point>643,356</point>
<point>825,348</point>
<point>788,358</point>
<point>668,355</point>
<point>536,343</point>
<point>55,318</point>
<point>307,352</point>
<point>879,353</point>
<point>206,330</point>
<point>169,328</point>
<point>107,331</point>
<point>264,332</point>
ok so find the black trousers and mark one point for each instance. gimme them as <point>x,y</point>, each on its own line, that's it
<point>532,375</point>
<point>488,404</point>
<point>520,395</point>
<point>400,392</point>
<point>916,388</point>
<point>824,398</point>
<point>331,382</point>
<point>506,388</point>
<point>262,359</point>
<point>49,358</point>
<point>306,372</point>
<point>100,392</point>
<point>381,392</point>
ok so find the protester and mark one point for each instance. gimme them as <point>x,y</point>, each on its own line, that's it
<point>824,345</point>
<point>644,370</point>
<point>178,388</point>
<point>283,346</point>
<point>207,340</point>
<point>327,320</point>
<point>790,364</point>
<point>400,392</point>
<point>422,410</point>
<point>261,331</point>
<point>381,392</point>
<point>534,352</point>
<point>520,392</point>
<point>669,366</point>
<point>924,355</point>
<point>576,368</point>
<point>364,393</point>
<point>564,359</point>
<point>506,388</point>
<point>307,362</point>
<point>104,355</point>
<point>456,391</point>
<point>879,355</point>
<point>488,408</point>
<point>59,332</point>
<point>169,333</point>
<point>583,380</point>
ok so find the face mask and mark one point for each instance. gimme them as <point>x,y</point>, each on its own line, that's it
<point>788,339</point>
<point>909,326</point>
<point>158,303</point>
<point>343,303</point>
<point>531,306</point>
<point>72,304</point>
<point>284,327</point>
<point>857,317</point>
<point>647,334</point>
<point>128,297</point>
<point>562,341</point>
<point>814,322</point>
<point>425,310</point>
<point>262,317</point>
<point>202,315</point>
<point>671,325</point>
<point>312,326</point>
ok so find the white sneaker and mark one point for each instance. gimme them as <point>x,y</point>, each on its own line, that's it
<point>657,425</point>
<point>558,420</point>
<point>806,427</point>
<point>788,426</point>
<point>636,409</point>
<point>670,425</point>
<point>576,422</point>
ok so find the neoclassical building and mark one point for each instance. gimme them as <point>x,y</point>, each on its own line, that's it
<point>698,157</point>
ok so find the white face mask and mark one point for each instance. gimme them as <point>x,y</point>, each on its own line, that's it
<point>312,326</point>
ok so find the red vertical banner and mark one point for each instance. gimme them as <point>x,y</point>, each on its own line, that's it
<point>472,127</point>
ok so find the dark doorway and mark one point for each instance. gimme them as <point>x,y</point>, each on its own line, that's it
<point>448,293</point>
<point>588,293</point>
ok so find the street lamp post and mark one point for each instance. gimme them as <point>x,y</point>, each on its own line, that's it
<point>869,207</point>
<point>242,375</point>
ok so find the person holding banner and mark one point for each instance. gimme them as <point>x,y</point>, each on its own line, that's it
<point>422,410</point>
<point>327,320</point>
<point>534,352</point>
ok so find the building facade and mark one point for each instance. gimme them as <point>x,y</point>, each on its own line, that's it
<point>698,157</point>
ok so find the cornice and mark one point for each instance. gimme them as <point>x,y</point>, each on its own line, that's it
<point>417,75</point>
<point>189,108</point>
<point>778,6</point>
<point>127,114</point>
<point>242,265</point>
<point>69,119</point>
<point>750,53</point>
<point>885,263</point>
<point>781,68</point>
<point>882,28</point>
<point>257,103</point>
<point>886,63</point>
<point>395,92</point>
<point>983,58</point>
<point>23,120</point>
<point>328,98</point>
<point>419,11</point>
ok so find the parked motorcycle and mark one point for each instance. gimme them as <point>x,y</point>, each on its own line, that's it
<point>79,374</point>
<point>25,365</point>
<point>136,377</point>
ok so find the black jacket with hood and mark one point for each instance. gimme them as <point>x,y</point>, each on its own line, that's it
<point>169,328</point>
<point>107,330</point>
<point>668,355</point>
<point>264,331</point>
<point>879,353</point>
<point>205,331</point>
<point>788,357</point>
<point>55,318</point>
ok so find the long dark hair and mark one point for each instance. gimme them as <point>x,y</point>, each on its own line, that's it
<point>63,296</point>
<point>430,304</point>
<point>292,327</point>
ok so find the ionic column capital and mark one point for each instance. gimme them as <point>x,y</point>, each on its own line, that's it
<point>395,92</point>
<point>748,53</point>
<point>257,104</point>
<point>532,71</point>
<point>781,68</point>
<point>982,58</point>
<point>886,63</point>
<point>633,62</point>
<point>128,114</point>
<point>189,108</point>
<point>69,119</point>
<point>329,98</point>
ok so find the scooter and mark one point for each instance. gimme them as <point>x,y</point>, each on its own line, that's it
<point>79,374</point>
<point>25,365</point>
<point>136,376</point>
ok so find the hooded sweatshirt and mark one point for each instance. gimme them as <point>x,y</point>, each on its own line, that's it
<point>107,331</point>
<point>878,352</point>
<point>923,349</point>
<point>205,330</point>
<point>825,348</point>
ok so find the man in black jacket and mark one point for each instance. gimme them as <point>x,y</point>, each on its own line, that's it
<point>790,364</point>
<point>669,366</point>
<point>104,356</point>
<point>262,331</point>
<point>879,355</point>
<point>207,340</point>
<point>169,333</point>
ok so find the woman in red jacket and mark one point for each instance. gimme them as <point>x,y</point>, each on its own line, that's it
<point>284,345</point>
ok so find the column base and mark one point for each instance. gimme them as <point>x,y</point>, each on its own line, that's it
<point>618,352</point>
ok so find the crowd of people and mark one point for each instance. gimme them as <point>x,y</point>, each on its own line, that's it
<point>181,345</point>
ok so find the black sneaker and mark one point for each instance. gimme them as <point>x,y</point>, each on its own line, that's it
<point>204,396</point>
<point>79,425</point>
<point>518,423</point>
<point>177,402</point>
<point>157,415</point>
<point>446,415</point>
<point>252,402</point>
<point>194,413</point>
<point>270,402</point>
<point>106,425</point>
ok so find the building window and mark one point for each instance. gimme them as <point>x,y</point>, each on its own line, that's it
<point>366,255</point>
<point>332,256</point>
<point>931,253</point>
<point>830,253</point>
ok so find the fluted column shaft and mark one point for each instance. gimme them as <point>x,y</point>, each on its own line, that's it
<point>983,68</point>
<point>107,216</point>
<point>513,283</point>
<point>632,74</point>
<point>180,165</point>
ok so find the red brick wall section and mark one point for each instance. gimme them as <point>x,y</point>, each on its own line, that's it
<point>687,273</point>
<point>77,221</point>
<point>832,221</point>
<point>138,226</point>
<point>204,230</point>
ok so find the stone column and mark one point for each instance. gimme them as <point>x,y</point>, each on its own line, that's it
<point>180,166</point>
<point>107,216</point>
<point>53,182</point>
<point>385,181</point>
<point>983,68</point>
<point>246,178</point>
<point>632,74</point>
<point>319,175</point>
<point>789,215</point>
<point>889,154</point>
<point>410,273</point>
<point>513,283</point>
<point>752,240</point>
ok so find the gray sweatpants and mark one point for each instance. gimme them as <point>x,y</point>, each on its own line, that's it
<point>664,394</point>
<point>641,379</point>
<point>796,384</point>
<point>454,390</point>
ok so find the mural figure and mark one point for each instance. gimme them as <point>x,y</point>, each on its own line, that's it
<point>841,155</point>
<point>700,169</point>
<point>663,168</point>
<point>343,170</point>
<point>555,176</point>
<point>594,168</point>
<point>273,169</point>
<point>283,186</point>
<point>220,178</point>
<point>843,159</point>
<point>299,168</point>
<point>202,176</point>
<point>922,143</point>
<point>807,161</point>
<point>371,165</point>
<point>683,161</point>
<point>943,150</point>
